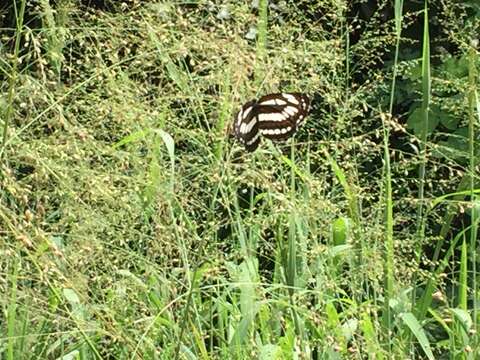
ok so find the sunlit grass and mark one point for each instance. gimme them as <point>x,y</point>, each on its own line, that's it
<point>136,227</point>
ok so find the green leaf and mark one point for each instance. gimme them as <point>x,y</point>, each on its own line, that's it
<point>131,138</point>
<point>457,67</point>
<point>241,334</point>
<point>445,118</point>
<point>71,296</point>
<point>73,355</point>
<point>169,143</point>
<point>459,140</point>
<point>415,73</point>
<point>455,147</point>
<point>247,279</point>
<point>416,121</point>
<point>463,317</point>
<point>332,316</point>
<point>340,250</point>
<point>268,352</point>
<point>349,328</point>
<point>412,323</point>
<point>340,231</point>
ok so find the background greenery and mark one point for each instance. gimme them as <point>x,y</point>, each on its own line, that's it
<point>133,225</point>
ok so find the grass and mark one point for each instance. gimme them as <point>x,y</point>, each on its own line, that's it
<point>133,226</point>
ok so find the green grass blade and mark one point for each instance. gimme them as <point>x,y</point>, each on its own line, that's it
<point>426,89</point>
<point>11,314</point>
<point>371,337</point>
<point>131,138</point>
<point>389,245</point>
<point>463,283</point>
<point>350,194</point>
<point>412,323</point>
<point>473,114</point>
<point>426,83</point>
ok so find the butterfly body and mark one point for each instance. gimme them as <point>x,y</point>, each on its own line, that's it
<point>274,116</point>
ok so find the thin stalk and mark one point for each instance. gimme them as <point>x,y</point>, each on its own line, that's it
<point>261,42</point>
<point>13,77</point>
<point>225,110</point>
<point>472,105</point>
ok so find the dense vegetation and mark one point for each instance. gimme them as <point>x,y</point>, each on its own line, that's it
<point>133,225</point>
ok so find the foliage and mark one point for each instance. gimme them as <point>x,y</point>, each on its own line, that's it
<point>133,226</point>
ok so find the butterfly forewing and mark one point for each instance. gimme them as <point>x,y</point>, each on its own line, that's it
<point>275,116</point>
<point>246,126</point>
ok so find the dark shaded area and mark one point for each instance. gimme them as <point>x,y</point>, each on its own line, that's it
<point>266,255</point>
<point>9,10</point>
<point>248,198</point>
<point>23,170</point>
<point>111,6</point>
<point>104,5</point>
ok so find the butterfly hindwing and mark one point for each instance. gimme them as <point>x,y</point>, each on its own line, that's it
<point>280,115</point>
<point>274,124</point>
<point>274,116</point>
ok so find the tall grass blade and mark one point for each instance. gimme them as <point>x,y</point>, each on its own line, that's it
<point>389,246</point>
<point>412,323</point>
<point>473,114</point>
<point>463,283</point>
<point>354,214</point>
<point>426,89</point>
<point>170,145</point>
<point>249,306</point>
<point>371,337</point>
<point>353,209</point>
<point>426,83</point>
<point>185,315</point>
<point>11,314</point>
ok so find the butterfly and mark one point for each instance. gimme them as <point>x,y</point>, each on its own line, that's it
<point>274,116</point>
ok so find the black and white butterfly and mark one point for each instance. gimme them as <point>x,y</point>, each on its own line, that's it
<point>274,116</point>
